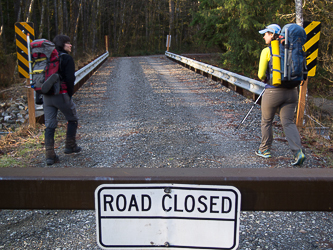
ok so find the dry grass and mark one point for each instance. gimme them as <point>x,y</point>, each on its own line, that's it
<point>86,58</point>
<point>318,133</point>
<point>20,148</point>
<point>320,146</point>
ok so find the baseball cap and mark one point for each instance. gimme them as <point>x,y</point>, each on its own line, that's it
<point>273,28</point>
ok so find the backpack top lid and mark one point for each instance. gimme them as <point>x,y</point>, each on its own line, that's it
<point>42,46</point>
<point>294,30</point>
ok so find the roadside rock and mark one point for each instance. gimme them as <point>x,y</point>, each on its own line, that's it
<point>13,113</point>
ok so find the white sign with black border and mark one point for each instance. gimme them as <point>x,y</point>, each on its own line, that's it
<point>167,216</point>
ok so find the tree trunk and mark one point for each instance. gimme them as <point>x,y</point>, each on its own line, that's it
<point>83,26</point>
<point>177,26</point>
<point>2,34</point>
<point>128,26</point>
<point>115,14</point>
<point>1,17</point>
<point>171,19</point>
<point>56,16</point>
<point>92,26</point>
<point>299,12</point>
<point>72,19</point>
<point>65,17</point>
<point>48,21</point>
<point>30,11</point>
<point>109,28</point>
<point>147,24</point>
<point>19,12</point>
<point>95,27</point>
<point>75,29</point>
<point>8,17</point>
<point>60,17</point>
<point>41,26</point>
<point>121,26</point>
<point>25,10</point>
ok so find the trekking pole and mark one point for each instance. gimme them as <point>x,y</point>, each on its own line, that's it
<point>250,110</point>
<point>30,91</point>
<point>29,58</point>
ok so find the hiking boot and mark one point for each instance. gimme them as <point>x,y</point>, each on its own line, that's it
<point>266,154</point>
<point>50,155</point>
<point>70,150</point>
<point>299,158</point>
<point>51,161</point>
<point>70,145</point>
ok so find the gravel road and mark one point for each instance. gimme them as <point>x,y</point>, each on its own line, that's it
<point>149,112</point>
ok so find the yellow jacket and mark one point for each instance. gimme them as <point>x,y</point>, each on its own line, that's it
<point>265,57</point>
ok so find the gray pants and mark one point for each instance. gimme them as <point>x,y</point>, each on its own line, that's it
<point>53,103</point>
<point>284,100</point>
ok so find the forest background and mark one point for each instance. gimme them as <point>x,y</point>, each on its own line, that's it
<point>226,28</point>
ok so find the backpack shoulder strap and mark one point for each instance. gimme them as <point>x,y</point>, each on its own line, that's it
<point>270,64</point>
<point>60,59</point>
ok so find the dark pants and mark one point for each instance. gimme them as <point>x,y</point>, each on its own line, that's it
<point>53,103</point>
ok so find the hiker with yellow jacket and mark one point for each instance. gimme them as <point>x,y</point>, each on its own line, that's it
<point>283,100</point>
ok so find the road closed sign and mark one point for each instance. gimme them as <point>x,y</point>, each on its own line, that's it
<point>162,216</point>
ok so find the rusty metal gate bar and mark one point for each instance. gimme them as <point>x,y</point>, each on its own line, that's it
<point>261,189</point>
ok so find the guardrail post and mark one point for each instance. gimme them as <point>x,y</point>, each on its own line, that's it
<point>168,42</point>
<point>106,43</point>
<point>224,83</point>
<point>239,90</point>
<point>31,107</point>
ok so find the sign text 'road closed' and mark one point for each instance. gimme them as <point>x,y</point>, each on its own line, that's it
<point>160,216</point>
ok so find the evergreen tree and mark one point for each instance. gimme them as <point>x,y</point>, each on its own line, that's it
<point>233,25</point>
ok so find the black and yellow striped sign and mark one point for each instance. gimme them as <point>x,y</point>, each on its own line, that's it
<point>312,30</point>
<point>21,31</point>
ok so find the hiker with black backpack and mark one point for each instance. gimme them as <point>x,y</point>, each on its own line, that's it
<point>280,95</point>
<point>61,100</point>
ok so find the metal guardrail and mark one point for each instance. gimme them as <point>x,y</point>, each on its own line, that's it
<point>243,82</point>
<point>81,73</point>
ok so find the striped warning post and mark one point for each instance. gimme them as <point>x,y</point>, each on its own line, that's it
<point>21,30</point>
<point>312,30</point>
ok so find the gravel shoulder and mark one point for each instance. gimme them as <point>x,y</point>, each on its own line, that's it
<point>149,112</point>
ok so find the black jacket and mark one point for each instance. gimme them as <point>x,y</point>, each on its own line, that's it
<point>67,71</point>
